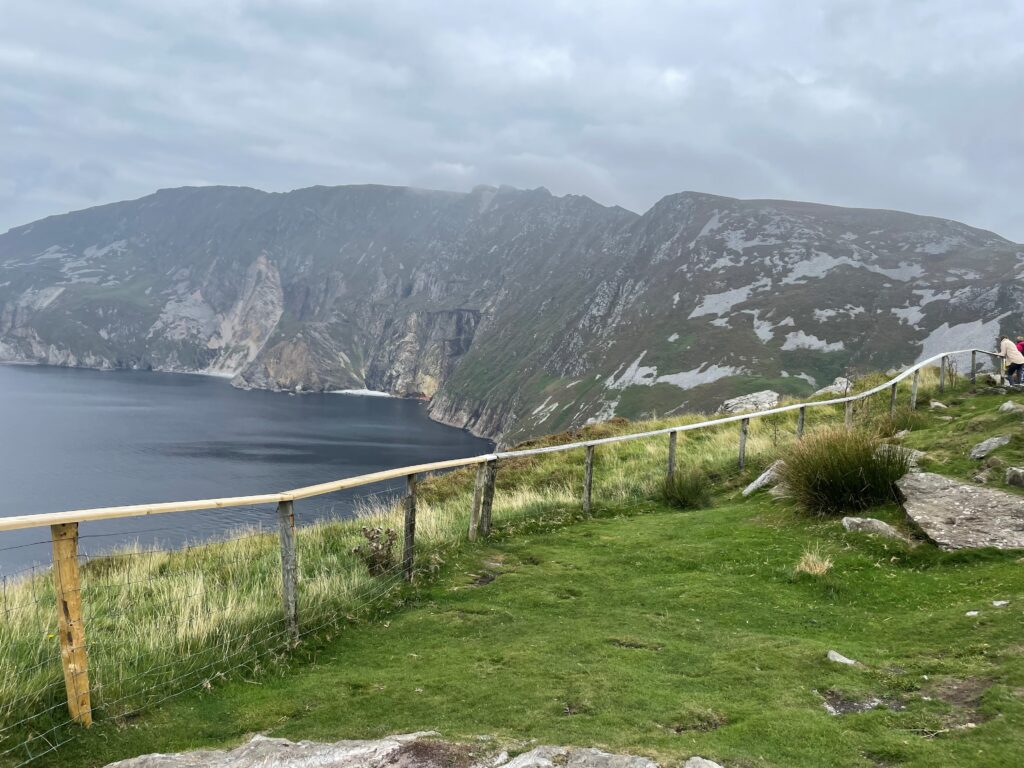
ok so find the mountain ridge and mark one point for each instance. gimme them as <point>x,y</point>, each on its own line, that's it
<point>515,312</point>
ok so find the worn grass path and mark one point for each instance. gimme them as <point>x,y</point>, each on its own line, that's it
<point>662,633</point>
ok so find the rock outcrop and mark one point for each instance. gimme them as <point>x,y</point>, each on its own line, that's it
<point>872,526</point>
<point>957,516</point>
<point>985,447</point>
<point>413,750</point>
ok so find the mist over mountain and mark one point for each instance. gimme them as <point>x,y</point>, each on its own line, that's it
<point>516,312</point>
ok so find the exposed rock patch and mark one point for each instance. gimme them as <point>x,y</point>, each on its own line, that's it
<point>413,750</point>
<point>872,526</point>
<point>956,516</point>
<point>839,386</point>
<point>1011,407</point>
<point>1015,476</point>
<point>755,401</point>
<point>836,703</point>
<point>769,477</point>
<point>985,447</point>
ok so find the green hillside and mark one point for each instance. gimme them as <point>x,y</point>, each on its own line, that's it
<point>643,628</point>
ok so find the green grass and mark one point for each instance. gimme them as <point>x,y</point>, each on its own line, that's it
<point>639,632</point>
<point>645,629</point>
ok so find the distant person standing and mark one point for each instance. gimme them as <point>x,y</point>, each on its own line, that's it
<point>1014,359</point>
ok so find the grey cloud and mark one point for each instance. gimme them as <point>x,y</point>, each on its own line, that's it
<point>904,104</point>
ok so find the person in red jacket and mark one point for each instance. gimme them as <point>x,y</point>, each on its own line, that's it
<point>1020,344</point>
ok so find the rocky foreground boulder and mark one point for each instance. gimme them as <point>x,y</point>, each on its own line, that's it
<point>410,750</point>
<point>957,516</point>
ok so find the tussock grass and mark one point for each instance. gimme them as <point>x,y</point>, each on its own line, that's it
<point>835,470</point>
<point>689,489</point>
<point>814,562</point>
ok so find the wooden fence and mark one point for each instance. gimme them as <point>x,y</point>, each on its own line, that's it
<point>64,525</point>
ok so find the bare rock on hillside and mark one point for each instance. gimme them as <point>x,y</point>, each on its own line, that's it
<point>840,386</point>
<point>755,401</point>
<point>872,526</point>
<point>1011,407</point>
<point>769,477</point>
<point>985,447</point>
<point>838,658</point>
<point>574,757</point>
<point>411,750</point>
<point>700,762</point>
<point>1015,476</point>
<point>957,516</point>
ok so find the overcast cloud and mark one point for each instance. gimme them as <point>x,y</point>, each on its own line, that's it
<point>911,105</point>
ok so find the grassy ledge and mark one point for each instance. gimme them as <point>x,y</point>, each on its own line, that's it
<point>645,628</point>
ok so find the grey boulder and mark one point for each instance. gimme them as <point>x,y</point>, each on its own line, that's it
<point>872,526</point>
<point>769,477</point>
<point>755,401</point>
<point>985,447</point>
<point>840,386</point>
<point>700,762</point>
<point>1011,407</point>
<point>1015,476</point>
<point>956,515</point>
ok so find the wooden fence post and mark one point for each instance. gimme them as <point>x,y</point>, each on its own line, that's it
<point>744,429</point>
<point>848,413</point>
<point>289,568</point>
<point>801,417</point>
<point>672,436</point>
<point>892,400</point>
<point>409,542</point>
<point>974,368</point>
<point>487,503</point>
<point>478,498</point>
<point>942,374</point>
<point>67,583</point>
<point>913,390</point>
<point>588,478</point>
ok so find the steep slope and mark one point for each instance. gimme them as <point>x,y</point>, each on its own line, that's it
<point>516,312</point>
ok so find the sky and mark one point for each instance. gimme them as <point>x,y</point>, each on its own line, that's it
<point>916,105</point>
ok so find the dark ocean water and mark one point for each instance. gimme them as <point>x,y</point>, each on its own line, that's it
<point>74,439</point>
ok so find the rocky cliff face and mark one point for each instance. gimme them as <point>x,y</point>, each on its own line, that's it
<point>515,311</point>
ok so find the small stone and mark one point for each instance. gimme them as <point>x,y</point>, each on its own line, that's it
<point>700,762</point>
<point>1000,603</point>
<point>981,478</point>
<point>901,434</point>
<point>872,526</point>
<point>972,614</point>
<point>1010,407</point>
<point>985,447</point>
<point>838,658</point>
<point>769,477</point>
<point>936,405</point>
<point>1015,476</point>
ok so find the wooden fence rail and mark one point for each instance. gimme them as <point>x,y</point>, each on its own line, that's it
<point>64,525</point>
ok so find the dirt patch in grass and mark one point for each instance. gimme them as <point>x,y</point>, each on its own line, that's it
<point>634,644</point>
<point>838,703</point>
<point>435,754</point>
<point>963,695</point>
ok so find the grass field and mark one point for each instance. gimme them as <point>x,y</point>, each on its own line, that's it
<point>645,629</point>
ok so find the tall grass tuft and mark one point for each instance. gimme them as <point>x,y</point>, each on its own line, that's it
<point>687,488</point>
<point>834,471</point>
<point>814,562</point>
